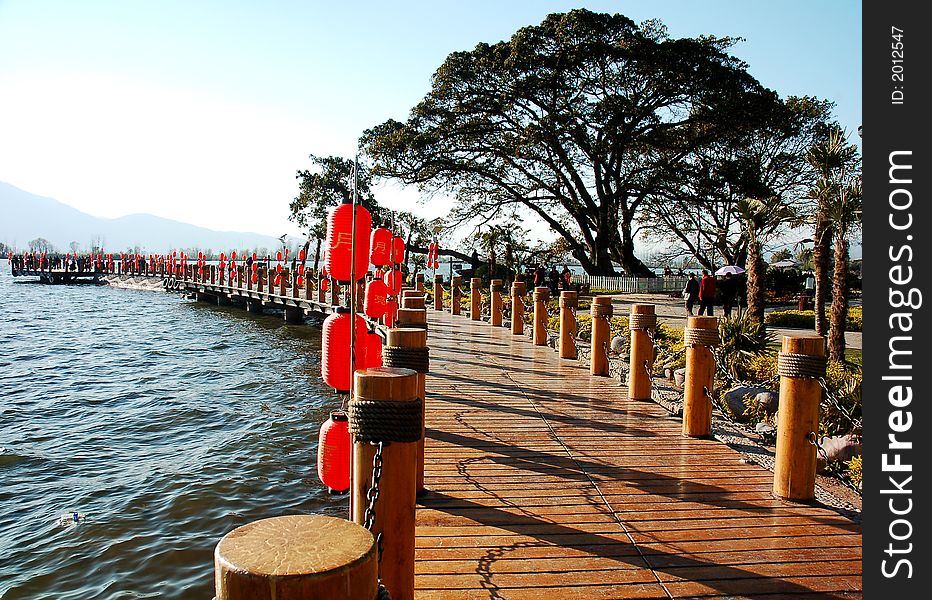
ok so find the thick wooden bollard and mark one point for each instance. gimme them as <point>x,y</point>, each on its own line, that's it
<point>601,312</point>
<point>699,337</point>
<point>410,301</point>
<point>495,302</point>
<point>800,364</point>
<point>641,322</point>
<point>456,293</point>
<point>411,317</point>
<point>295,557</point>
<point>396,505</point>
<point>438,292</point>
<point>541,295</point>
<point>419,282</point>
<point>568,303</point>
<point>475,299</point>
<point>407,337</point>
<point>518,291</point>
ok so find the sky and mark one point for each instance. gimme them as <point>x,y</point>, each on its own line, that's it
<point>202,111</point>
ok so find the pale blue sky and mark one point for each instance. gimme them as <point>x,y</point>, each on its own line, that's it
<point>202,111</point>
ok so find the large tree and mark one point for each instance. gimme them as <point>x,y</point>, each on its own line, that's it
<point>578,120</point>
<point>697,213</point>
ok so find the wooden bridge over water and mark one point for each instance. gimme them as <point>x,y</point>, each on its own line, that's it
<point>546,482</point>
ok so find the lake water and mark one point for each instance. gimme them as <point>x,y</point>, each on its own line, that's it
<point>166,423</point>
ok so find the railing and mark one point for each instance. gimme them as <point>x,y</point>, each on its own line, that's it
<point>632,284</point>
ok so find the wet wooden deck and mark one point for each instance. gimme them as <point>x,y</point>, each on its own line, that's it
<point>548,483</point>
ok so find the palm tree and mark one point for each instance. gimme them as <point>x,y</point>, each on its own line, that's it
<point>830,158</point>
<point>760,218</point>
<point>845,213</point>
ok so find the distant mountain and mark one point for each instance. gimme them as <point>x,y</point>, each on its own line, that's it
<point>25,216</point>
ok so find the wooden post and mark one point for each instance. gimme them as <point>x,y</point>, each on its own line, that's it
<point>518,291</point>
<point>410,337</point>
<point>641,322</point>
<point>396,505</point>
<point>283,282</point>
<point>411,301</point>
<point>411,317</point>
<point>456,292</point>
<point>334,293</point>
<point>475,299</point>
<point>541,295</point>
<point>321,292</point>
<point>260,276</point>
<point>213,274</point>
<point>294,284</point>
<point>308,288</point>
<point>700,337</point>
<point>495,303</point>
<point>798,419</point>
<point>438,292</point>
<point>296,557</point>
<point>419,282</point>
<point>568,303</point>
<point>601,312</point>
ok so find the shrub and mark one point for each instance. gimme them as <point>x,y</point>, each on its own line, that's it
<point>854,471</point>
<point>742,340</point>
<point>805,319</point>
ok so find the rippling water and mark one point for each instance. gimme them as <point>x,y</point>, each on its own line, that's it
<point>166,422</point>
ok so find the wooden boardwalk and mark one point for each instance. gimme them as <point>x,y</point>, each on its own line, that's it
<point>548,483</point>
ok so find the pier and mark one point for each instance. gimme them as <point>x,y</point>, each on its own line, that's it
<point>543,480</point>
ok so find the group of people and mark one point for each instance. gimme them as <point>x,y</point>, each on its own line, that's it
<point>553,279</point>
<point>45,262</point>
<point>704,291</point>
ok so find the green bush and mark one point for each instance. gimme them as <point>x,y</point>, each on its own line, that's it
<point>742,341</point>
<point>806,318</point>
<point>854,471</point>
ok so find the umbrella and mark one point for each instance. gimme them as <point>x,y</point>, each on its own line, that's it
<point>734,270</point>
<point>781,264</point>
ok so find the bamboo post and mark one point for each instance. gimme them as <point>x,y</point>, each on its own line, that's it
<point>569,300</point>
<point>495,302</point>
<point>699,337</point>
<point>518,291</point>
<point>800,364</point>
<point>409,337</point>
<point>541,295</point>
<point>396,505</point>
<point>438,292</point>
<point>295,557</point>
<point>601,311</point>
<point>419,282</point>
<point>456,292</point>
<point>475,299</point>
<point>641,322</point>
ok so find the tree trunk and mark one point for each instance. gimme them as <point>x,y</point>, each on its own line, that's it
<point>755,274</point>
<point>629,262</point>
<point>820,262</point>
<point>836,331</point>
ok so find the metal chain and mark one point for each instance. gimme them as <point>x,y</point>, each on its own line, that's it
<point>373,496</point>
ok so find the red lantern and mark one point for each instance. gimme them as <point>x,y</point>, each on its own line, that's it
<point>394,279</point>
<point>333,452</point>
<point>391,310</point>
<point>335,349</point>
<point>254,256</point>
<point>398,250</point>
<point>300,281</point>
<point>340,241</point>
<point>375,298</point>
<point>278,255</point>
<point>278,280</point>
<point>300,269</point>
<point>301,255</point>
<point>323,285</point>
<point>255,278</point>
<point>373,350</point>
<point>380,244</point>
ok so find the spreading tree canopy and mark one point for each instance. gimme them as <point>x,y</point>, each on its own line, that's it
<point>580,120</point>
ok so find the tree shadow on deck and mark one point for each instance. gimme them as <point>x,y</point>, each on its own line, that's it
<point>725,579</point>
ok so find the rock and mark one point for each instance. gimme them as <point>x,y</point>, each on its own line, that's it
<point>842,448</point>
<point>679,376</point>
<point>618,344</point>
<point>735,398</point>
<point>764,428</point>
<point>768,401</point>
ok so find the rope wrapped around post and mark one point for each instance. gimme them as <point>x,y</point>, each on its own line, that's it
<point>693,336</point>
<point>569,302</point>
<point>497,287</point>
<point>416,359</point>
<point>373,420</point>
<point>638,322</point>
<point>800,365</point>
<point>603,311</point>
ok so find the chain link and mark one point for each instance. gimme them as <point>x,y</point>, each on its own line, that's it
<point>373,494</point>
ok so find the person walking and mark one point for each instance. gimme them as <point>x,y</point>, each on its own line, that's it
<point>729,288</point>
<point>691,292</point>
<point>707,294</point>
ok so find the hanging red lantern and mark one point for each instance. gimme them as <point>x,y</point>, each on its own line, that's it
<point>393,279</point>
<point>278,255</point>
<point>301,255</point>
<point>255,278</point>
<point>278,268</point>
<point>255,256</point>
<point>255,267</point>
<point>300,281</point>
<point>233,255</point>
<point>335,349</point>
<point>278,280</point>
<point>373,350</point>
<point>375,298</point>
<point>323,285</point>
<point>333,452</point>
<point>340,242</point>
<point>300,269</point>
<point>391,310</point>
<point>380,246</point>
<point>398,250</point>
